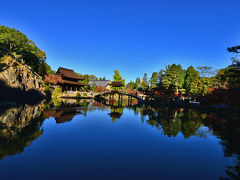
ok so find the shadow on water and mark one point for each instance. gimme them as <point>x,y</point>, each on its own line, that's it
<point>21,125</point>
<point>19,96</point>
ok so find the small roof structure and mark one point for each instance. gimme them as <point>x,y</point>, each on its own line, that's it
<point>68,73</point>
<point>116,84</point>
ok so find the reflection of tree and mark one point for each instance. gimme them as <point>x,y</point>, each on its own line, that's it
<point>228,130</point>
<point>190,122</point>
<point>18,128</point>
<point>173,121</point>
<point>116,113</point>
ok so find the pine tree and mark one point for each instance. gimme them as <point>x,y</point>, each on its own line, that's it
<point>191,80</point>
<point>173,76</point>
<point>154,80</point>
<point>145,83</point>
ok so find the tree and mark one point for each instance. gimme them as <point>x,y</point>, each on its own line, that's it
<point>117,77</point>
<point>229,77</point>
<point>87,77</point>
<point>48,69</point>
<point>234,49</point>
<point>154,80</point>
<point>191,80</point>
<point>173,76</point>
<point>233,71</point>
<point>132,85</point>
<point>13,42</point>
<point>145,83</point>
<point>205,71</point>
<point>138,81</point>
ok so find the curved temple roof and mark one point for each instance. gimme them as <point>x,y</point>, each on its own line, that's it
<point>68,73</point>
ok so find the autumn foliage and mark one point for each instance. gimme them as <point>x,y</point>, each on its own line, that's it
<point>53,79</point>
<point>223,96</point>
<point>100,89</point>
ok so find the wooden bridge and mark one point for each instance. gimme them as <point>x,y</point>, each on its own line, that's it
<point>120,95</point>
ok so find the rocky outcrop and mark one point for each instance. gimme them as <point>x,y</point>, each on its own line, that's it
<point>19,82</point>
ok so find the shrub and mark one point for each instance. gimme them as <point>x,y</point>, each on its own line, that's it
<point>100,89</point>
<point>57,93</point>
<point>48,92</point>
<point>84,94</point>
<point>78,94</point>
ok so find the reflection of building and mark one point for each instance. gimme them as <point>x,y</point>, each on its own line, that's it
<point>66,78</point>
<point>62,115</point>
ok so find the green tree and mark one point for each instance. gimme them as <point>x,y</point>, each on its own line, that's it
<point>173,76</point>
<point>138,81</point>
<point>154,80</point>
<point>117,77</point>
<point>233,71</point>
<point>229,77</point>
<point>48,69</point>
<point>145,83</point>
<point>205,71</point>
<point>14,42</point>
<point>191,80</point>
<point>132,85</point>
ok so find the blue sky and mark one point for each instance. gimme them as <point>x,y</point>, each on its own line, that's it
<point>133,36</point>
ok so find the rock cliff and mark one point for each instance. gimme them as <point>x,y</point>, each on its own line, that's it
<point>19,82</point>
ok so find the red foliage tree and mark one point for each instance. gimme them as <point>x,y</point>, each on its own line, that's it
<point>52,79</point>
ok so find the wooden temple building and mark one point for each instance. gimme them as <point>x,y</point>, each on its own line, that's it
<point>67,79</point>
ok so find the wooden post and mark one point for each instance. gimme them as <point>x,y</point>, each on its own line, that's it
<point>112,98</point>
<point>109,98</point>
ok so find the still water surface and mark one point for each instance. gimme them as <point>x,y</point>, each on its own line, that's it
<point>88,140</point>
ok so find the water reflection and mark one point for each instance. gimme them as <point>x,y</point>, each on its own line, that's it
<point>228,130</point>
<point>191,122</point>
<point>174,121</point>
<point>116,113</point>
<point>19,126</point>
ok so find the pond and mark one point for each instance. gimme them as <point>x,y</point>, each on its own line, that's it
<point>89,140</point>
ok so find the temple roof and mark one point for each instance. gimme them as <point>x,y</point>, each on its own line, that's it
<point>116,83</point>
<point>68,73</point>
<point>102,83</point>
<point>73,82</point>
